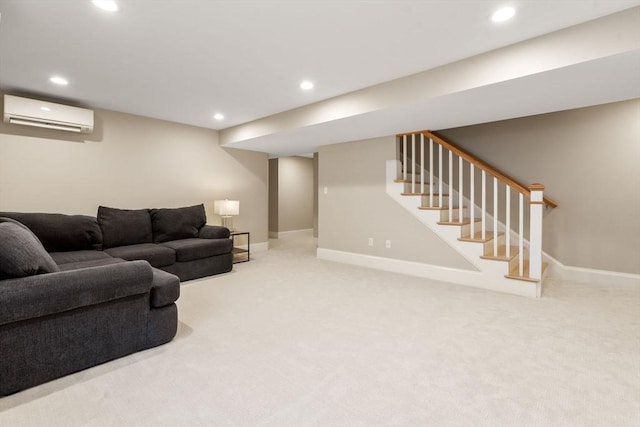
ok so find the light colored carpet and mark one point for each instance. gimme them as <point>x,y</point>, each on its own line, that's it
<point>290,340</point>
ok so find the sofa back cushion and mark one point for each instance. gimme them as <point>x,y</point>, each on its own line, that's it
<point>21,253</point>
<point>122,227</point>
<point>177,223</point>
<point>61,233</point>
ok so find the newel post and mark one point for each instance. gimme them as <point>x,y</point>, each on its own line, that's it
<point>535,230</point>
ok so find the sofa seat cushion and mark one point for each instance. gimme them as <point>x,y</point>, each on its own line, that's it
<point>77,256</point>
<point>165,288</point>
<point>177,223</point>
<point>122,227</point>
<point>156,255</point>
<point>192,249</point>
<point>21,253</point>
<point>90,263</point>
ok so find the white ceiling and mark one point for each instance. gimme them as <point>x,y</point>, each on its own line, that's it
<point>184,60</point>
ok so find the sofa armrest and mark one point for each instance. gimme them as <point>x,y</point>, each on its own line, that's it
<point>165,289</point>
<point>45,294</point>
<point>214,232</point>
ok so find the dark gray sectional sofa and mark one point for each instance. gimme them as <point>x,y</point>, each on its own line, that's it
<point>177,241</point>
<point>76,291</point>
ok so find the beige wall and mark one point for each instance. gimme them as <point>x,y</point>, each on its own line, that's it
<point>588,159</point>
<point>273,196</point>
<point>130,162</point>
<point>295,193</point>
<point>315,194</point>
<point>291,194</point>
<point>356,207</point>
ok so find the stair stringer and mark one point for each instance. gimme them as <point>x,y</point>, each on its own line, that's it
<point>490,273</point>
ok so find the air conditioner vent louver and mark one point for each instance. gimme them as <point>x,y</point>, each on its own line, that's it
<point>49,115</point>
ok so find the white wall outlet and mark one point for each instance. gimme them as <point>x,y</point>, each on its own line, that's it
<point>387,244</point>
<point>370,241</point>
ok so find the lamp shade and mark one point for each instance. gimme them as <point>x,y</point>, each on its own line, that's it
<point>226,207</point>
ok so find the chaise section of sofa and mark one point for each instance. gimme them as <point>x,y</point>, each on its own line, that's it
<point>59,319</point>
<point>55,324</point>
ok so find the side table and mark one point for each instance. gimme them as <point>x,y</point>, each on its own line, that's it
<point>241,252</point>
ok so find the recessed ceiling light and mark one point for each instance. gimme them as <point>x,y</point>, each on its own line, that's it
<point>108,5</point>
<point>59,80</point>
<point>306,85</point>
<point>218,116</point>
<point>503,14</point>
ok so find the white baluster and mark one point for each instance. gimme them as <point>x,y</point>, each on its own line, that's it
<point>430,172</point>
<point>535,230</point>
<point>450,154</point>
<point>521,235</point>
<point>484,205</point>
<point>422,163</point>
<point>460,177</point>
<point>507,230</point>
<point>495,216</point>
<point>439,175</point>
<point>404,157</point>
<point>413,163</point>
<point>472,189</point>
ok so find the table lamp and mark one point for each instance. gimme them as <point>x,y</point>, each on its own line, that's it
<point>227,209</point>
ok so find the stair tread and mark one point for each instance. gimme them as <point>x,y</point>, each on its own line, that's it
<point>422,194</point>
<point>524,278</point>
<point>464,222</point>
<point>502,253</point>
<point>477,237</point>
<point>440,208</point>
<point>515,273</point>
<point>408,181</point>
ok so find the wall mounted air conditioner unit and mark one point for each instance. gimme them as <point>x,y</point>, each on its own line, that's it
<point>49,115</point>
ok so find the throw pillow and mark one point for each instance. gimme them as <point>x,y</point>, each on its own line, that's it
<point>178,223</point>
<point>122,227</point>
<point>21,253</point>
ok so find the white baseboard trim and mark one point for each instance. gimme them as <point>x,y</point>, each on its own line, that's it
<point>393,265</point>
<point>289,233</point>
<point>590,275</point>
<point>474,278</point>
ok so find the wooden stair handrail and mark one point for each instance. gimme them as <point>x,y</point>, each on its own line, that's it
<point>504,178</point>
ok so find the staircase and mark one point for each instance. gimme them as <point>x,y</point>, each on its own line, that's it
<point>488,217</point>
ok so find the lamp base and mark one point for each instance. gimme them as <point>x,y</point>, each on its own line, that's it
<point>227,221</point>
